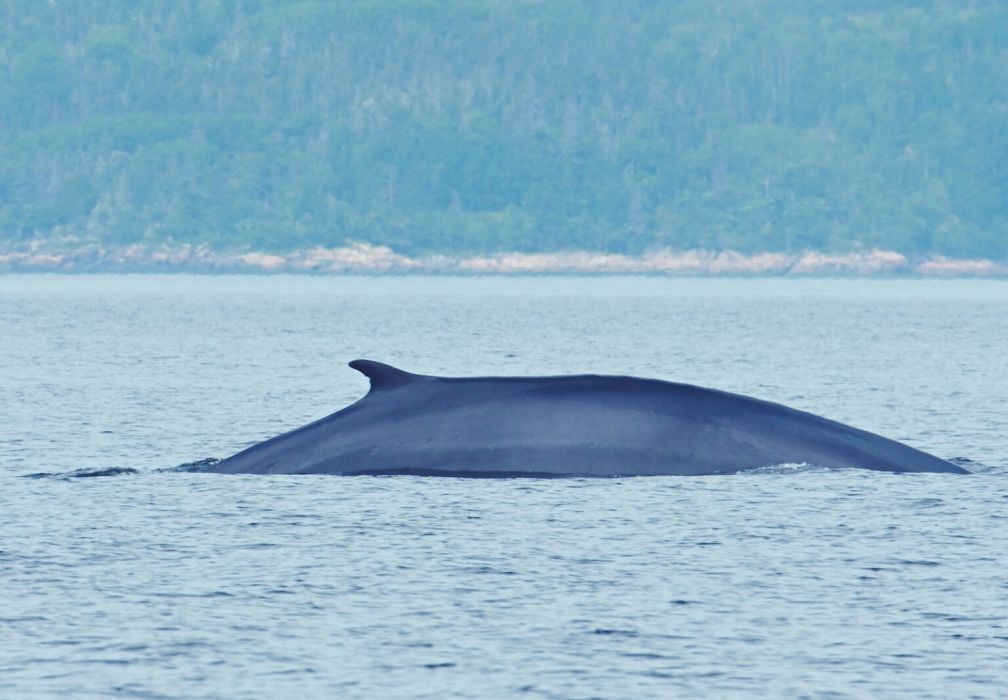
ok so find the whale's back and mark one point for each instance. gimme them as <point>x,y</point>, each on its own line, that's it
<point>587,425</point>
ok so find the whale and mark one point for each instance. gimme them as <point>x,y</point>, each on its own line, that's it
<point>565,426</point>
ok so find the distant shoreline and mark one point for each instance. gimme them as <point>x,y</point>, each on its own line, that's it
<point>362,258</point>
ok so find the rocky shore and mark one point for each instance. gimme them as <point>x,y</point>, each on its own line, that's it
<point>74,255</point>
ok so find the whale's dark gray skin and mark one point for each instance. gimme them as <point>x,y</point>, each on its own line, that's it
<point>585,425</point>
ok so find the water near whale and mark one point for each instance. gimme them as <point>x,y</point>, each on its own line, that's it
<point>147,582</point>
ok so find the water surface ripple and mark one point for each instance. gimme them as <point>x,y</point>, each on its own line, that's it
<point>798,583</point>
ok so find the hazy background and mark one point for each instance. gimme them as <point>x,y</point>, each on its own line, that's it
<point>478,126</point>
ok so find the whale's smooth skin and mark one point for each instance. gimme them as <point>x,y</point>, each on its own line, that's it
<point>582,425</point>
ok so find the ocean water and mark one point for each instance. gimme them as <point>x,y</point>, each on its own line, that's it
<point>796,583</point>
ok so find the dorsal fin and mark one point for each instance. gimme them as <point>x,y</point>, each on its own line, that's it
<point>382,376</point>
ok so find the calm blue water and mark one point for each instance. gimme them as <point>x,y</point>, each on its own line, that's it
<point>802,583</point>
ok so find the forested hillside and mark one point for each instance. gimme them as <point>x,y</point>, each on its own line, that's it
<point>476,126</point>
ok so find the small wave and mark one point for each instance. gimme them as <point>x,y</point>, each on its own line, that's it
<point>786,468</point>
<point>992,467</point>
<point>84,473</point>
<point>200,465</point>
<point>971,465</point>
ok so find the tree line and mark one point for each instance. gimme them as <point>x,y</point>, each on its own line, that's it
<point>475,126</point>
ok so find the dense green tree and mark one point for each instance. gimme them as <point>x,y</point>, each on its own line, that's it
<point>480,125</point>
